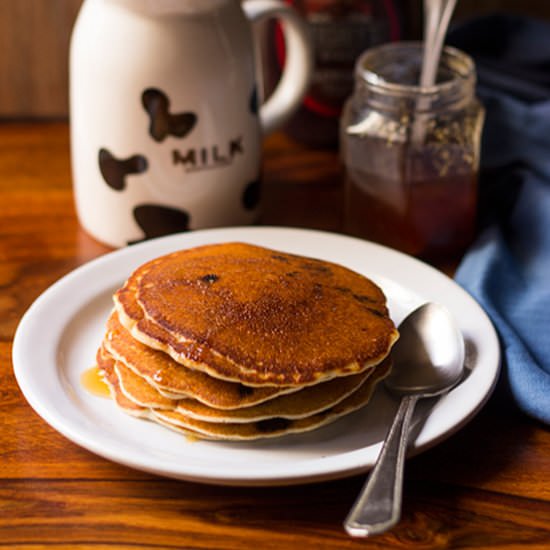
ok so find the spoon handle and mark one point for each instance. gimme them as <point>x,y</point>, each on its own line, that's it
<point>378,506</point>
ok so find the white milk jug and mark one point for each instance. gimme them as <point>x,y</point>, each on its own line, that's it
<point>166,125</point>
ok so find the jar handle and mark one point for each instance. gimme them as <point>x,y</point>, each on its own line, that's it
<point>293,83</point>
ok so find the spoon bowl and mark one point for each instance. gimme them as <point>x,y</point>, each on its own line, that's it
<point>428,360</point>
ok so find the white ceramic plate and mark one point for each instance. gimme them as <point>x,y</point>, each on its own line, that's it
<point>58,337</point>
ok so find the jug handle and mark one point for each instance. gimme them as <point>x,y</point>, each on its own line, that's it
<point>294,81</point>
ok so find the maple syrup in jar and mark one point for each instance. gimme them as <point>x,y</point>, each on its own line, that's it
<point>412,154</point>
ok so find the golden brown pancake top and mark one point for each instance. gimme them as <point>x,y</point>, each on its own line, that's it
<point>268,316</point>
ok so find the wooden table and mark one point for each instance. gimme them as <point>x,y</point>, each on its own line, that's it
<point>486,487</point>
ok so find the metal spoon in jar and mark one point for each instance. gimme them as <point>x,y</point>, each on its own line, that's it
<point>437,15</point>
<point>428,360</point>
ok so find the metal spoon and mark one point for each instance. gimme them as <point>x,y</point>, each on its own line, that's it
<point>437,16</point>
<point>428,360</point>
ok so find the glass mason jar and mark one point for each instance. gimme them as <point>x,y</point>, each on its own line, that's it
<point>412,153</point>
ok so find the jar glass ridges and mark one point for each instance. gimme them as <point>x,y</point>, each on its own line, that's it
<point>412,153</point>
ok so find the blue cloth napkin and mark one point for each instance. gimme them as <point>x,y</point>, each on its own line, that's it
<point>508,269</point>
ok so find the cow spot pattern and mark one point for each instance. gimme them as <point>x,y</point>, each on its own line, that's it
<point>161,122</point>
<point>252,194</point>
<point>156,220</point>
<point>114,170</point>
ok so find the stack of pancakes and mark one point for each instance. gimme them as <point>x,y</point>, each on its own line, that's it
<point>234,341</point>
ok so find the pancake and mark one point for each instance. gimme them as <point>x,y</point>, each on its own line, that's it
<point>272,427</point>
<point>139,391</point>
<point>265,428</point>
<point>177,382</point>
<point>310,400</point>
<point>299,404</point>
<point>106,365</point>
<point>248,314</point>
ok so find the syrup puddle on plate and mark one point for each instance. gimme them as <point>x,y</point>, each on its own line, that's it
<point>92,381</point>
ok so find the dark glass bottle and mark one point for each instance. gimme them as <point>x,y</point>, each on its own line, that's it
<point>340,30</point>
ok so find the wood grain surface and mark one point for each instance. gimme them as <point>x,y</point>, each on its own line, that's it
<point>486,487</point>
<point>34,56</point>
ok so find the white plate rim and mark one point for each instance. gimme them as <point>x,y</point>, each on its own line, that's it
<point>100,274</point>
